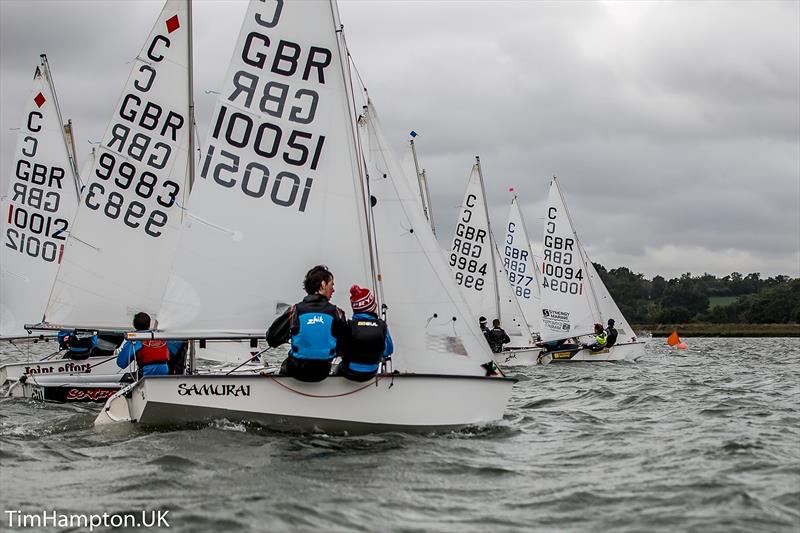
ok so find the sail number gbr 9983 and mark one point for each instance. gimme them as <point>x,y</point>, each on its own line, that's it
<point>558,272</point>
<point>102,196</point>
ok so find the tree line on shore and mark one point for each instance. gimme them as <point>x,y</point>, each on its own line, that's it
<point>706,298</point>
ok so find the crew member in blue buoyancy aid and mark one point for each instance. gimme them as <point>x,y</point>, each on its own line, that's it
<point>79,344</point>
<point>314,327</point>
<point>152,356</point>
<point>368,341</point>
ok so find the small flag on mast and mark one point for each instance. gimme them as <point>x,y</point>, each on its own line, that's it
<point>413,133</point>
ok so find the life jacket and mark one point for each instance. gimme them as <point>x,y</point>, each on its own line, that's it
<point>600,339</point>
<point>78,344</point>
<point>152,352</point>
<point>365,345</point>
<point>312,322</point>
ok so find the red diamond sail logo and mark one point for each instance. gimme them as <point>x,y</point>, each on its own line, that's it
<point>39,100</point>
<point>173,23</point>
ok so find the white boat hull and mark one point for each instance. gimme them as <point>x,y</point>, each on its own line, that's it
<point>398,402</point>
<point>66,387</point>
<point>517,357</point>
<point>104,365</point>
<point>630,351</point>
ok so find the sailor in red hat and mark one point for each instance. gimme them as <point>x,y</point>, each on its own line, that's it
<point>369,341</point>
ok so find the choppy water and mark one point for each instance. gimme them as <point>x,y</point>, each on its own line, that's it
<point>702,440</point>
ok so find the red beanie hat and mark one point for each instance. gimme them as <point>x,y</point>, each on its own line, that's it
<point>362,300</point>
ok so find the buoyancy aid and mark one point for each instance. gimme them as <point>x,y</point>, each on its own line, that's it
<point>313,326</point>
<point>365,343</point>
<point>152,352</point>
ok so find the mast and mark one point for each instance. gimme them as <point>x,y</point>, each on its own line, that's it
<point>491,240</point>
<point>190,89</point>
<point>357,158</point>
<point>422,182</point>
<point>70,153</point>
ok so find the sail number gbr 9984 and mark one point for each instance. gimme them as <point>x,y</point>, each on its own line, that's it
<point>558,272</point>
<point>101,196</point>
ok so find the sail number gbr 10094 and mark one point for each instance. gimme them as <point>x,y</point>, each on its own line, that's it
<point>134,213</point>
<point>559,279</point>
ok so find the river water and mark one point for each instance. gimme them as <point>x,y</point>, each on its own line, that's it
<point>706,439</point>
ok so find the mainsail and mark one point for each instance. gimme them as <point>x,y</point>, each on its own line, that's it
<point>37,211</point>
<point>570,285</point>
<point>278,189</point>
<point>520,266</point>
<point>476,265</point>
<point>121,246</point>
<point>426,312</point>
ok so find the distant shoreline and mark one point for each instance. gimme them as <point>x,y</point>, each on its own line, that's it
<point>720,330</point>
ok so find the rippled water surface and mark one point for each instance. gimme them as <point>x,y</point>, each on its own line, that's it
<point>707,439</point>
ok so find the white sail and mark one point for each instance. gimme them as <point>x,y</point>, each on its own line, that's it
<point>569,307</point>
<point>511,316</point>
<point>520,266</point>
<point>121,246</point>
<point>37,210</point>
<point>278,189</point>
<point>417,181</point>
<point>425,310</point>
<point>477,268</point>
<point>608,307</point>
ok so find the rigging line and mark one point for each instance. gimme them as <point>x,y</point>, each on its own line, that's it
<point>251,358</point>
<point>369,383</point>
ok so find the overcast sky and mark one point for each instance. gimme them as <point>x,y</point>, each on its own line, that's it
<point>674,128</point>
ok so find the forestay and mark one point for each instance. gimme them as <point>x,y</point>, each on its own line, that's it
<point>37,211</point>
<point>520,266</point>
<point>568,305</point>
<point>426,312</point>
<point>119,252</point>
<point>278,189</point>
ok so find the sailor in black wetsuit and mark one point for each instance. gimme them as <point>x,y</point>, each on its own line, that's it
<point>314,327</point>
<point>611,334</point>
<point>368,341</point>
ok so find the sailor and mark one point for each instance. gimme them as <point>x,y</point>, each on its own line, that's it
<point>79,344</point>
<point>600,339</point>
<point>152,356</point>
<point>497,336</point>
<point>611,334</point>
<point>177,356</point>
<point>368,341</point>
<point>314,327</point>
<point>482,324</point>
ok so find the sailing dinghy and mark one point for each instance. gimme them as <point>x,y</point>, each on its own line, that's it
<point>574,297</point>
<point>281,188</point>
<point>120,247</point>
<point>481,275</point>
<point>42,197</point>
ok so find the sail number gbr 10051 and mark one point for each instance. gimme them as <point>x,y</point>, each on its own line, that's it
<point>267,141</point>
<point>133,213</point>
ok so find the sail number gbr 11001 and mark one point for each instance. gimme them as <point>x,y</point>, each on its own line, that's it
<point>134,213</point>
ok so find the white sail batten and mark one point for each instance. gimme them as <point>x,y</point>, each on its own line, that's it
<point>520,266</point>
<point>278,188</point>
<point>425,310</point>
<point>569,307</point>
<point>119,252</point>
<point>37,210</point>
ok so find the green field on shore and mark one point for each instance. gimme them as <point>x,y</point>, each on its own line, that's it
<point>720,330</point>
